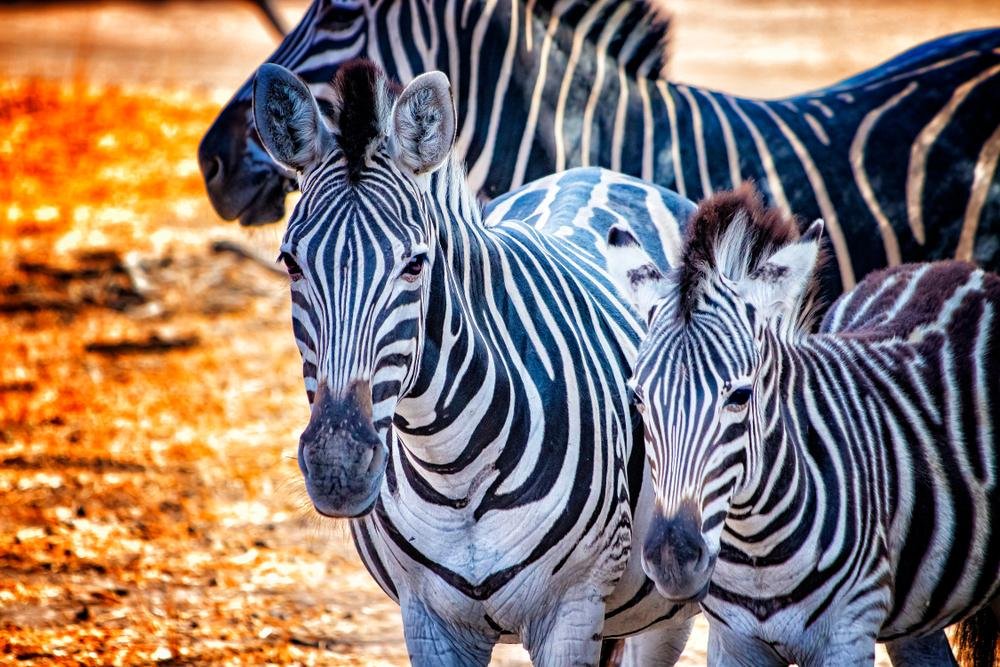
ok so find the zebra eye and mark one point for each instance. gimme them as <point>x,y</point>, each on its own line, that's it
<point>294,271</point>
<point>738,399</point>
<point>413,268</point>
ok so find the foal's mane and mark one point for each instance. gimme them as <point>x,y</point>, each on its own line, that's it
<point>732,233</point>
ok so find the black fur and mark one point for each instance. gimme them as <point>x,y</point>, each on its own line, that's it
<point>356,89</point>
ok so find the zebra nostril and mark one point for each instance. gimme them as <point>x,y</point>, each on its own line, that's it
<point>213,169</point>
<point>704,560</point>
<point>367,458</point>
<point>378,456</point>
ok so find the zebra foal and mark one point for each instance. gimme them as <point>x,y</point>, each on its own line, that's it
<point>817,492</point>
<point>466,377</point>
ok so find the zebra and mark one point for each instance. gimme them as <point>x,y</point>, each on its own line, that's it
<point>899,160</point>
<point>466,376</point>
<point>816,491</point>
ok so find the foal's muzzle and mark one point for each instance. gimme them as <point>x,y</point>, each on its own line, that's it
<point>676,557</point>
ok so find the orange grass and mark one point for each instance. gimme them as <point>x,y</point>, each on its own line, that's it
<point>149,507</point>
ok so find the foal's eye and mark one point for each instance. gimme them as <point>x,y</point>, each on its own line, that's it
<point>738,399</point>
<point>413,268</point>
<point>294,271</point>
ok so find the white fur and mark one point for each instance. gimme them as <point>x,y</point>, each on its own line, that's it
<point>285,113</point>
<point>635,275</point>
<point>777,287</point>
<point>423,123</point>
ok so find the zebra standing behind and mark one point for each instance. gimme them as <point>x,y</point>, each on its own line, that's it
<point>469,409</point>
<point>816,492</point>
<point>899,160</point>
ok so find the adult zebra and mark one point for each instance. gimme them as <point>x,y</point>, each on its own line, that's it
<point>817,491</point>
<point>467,377</point>
<point>900,161</point>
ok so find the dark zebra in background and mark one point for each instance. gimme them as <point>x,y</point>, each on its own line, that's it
<point>817,492</point>
<point>900,160</point>
<point>467,377</point>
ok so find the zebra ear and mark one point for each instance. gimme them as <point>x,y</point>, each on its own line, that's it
<point>423,123</point>
<point>637,278</point>
<point>777,286</point>
<point>288,119</point>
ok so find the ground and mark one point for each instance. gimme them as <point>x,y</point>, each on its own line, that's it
<point>150,391</point>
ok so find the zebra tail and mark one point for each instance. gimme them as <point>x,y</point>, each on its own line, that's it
<point>976,640</point>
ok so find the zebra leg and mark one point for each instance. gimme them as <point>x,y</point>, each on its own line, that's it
<point>570,634</point>
<point>431,642</point>
<point>927,651</point>
<point>657,647</point>
<point>747,653</point>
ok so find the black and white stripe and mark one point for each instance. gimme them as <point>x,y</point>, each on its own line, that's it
<point>900,160</point>
<point>817,492</point>
<point>467,377</point>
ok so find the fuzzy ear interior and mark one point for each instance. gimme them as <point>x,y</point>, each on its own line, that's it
<point>288,119</point>
<point>776,287</point>
<point>632,270</point>
<point>423,123</point>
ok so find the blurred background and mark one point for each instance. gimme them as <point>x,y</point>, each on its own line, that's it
<point>150,390</point>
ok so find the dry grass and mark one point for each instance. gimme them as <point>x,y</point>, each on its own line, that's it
<point>150,510</point>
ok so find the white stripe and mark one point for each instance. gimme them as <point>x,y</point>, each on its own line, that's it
<point>732,154</point>
<point>921,147</point>
<point>580,32</point>
<point>982,178</point>
<point>774,182</point>
<point>699,139</point>
<point>856,157</point>
<point>826,208</point>
<point>675,150</point>
<point>481,169</point>
<point>524,150</point>
<point>597,84</point>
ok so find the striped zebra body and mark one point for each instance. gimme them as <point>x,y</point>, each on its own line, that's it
<point>818,492</point>
<point>900,160</point>
<point>467,377</point>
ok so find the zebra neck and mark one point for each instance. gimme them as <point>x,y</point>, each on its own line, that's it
<point>779,480</point>
<point>457,417</point>
<point>520,69</point>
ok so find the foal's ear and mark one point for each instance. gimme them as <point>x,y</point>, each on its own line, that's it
<point>423,123</point>
<point>287,118</point>
<point>777,286</point>
<point>635,275</point>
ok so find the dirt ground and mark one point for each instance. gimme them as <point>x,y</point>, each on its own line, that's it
<point>150,391</point>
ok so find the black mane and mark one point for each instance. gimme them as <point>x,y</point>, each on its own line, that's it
<point>766,230</point>
<point>360,88</point>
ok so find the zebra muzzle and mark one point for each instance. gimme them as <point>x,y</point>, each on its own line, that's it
<point>677,558</point>
<point>341,456</point>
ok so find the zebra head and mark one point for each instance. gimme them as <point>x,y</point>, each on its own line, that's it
<point>745,276</point>
<point>241,180</point>
<point>359,250</point>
